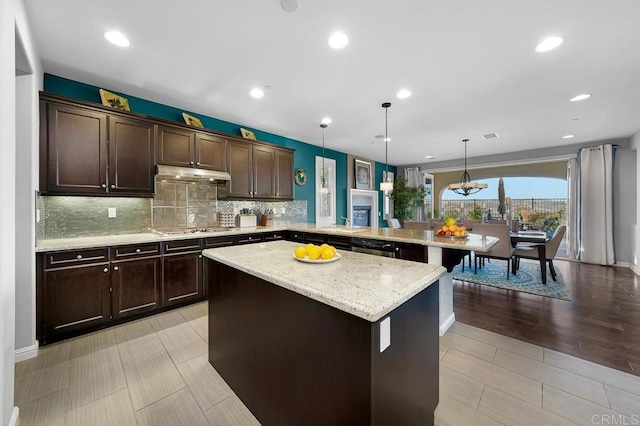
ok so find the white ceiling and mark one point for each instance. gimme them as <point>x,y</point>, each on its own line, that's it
<point>470,65</point>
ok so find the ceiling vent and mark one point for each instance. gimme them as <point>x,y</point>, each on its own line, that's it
<point>490,136</point>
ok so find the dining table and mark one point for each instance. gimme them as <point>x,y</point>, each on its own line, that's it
<point>539,240</point>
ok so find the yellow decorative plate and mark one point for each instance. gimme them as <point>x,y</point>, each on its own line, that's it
<point>307,260</point>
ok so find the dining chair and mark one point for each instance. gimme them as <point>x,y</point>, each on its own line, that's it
<point>469,223</point>
<point>497,222</point>
<point>503,250</point>
<point>531,252</point>
<point>421,226</point>
<point>436,224</point>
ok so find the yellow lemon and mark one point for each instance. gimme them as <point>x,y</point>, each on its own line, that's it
<point>313,253</point>
<point>327,254</point>
<point>300,252</point>
<point>309,247</point>
<point>333,250</point>
<point>324,246</point>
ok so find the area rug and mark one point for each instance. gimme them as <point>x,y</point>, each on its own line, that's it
<point>527,280</point>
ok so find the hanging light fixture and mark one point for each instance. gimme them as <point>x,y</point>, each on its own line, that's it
<point>323,189</point>
<point>386,184</point>
<point>466,186</point>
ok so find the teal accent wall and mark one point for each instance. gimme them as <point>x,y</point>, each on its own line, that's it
<point>304,156</point>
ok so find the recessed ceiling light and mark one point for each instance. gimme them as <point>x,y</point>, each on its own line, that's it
<point>117,38</point>
<point>403,94</point>
<point>256,93</point>
<point>549,43</point>
<point>429,157</point>
<point>568,136</point>
<point>290,6</point>
<point>338,40</point>
<point>490,136</point>
<point>581,97</point>
<point>326,120</point>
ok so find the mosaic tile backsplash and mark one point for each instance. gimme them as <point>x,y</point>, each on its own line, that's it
<point>177,204</point>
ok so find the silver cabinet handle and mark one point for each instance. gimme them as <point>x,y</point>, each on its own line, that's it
<point>79,256</point>
<point>397,249</point>
<point>200,257</point>
<point>277,193</point>
<point>115,268</point>
<point>105,270</point>
<point>191,162</point>
<point>137,250</point>
<point>104,185</point>
<point>198,163</point>
<point>113,187</point>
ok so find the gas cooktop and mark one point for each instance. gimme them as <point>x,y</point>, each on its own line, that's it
<point>183,231</point>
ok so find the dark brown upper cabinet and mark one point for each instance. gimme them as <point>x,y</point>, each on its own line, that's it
<point>73,150</point>
<point>187,148</point>
<point>84,151</point>
<point>240,167</point>
<point>284,174</point>
<point>264,173</point>
<point>131,152</point>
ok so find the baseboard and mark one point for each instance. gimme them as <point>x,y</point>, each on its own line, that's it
<point>24,354</point>
<point>447,323</point>
<point>622,264</point>
<point>13,421</point>
<point>635,268</point>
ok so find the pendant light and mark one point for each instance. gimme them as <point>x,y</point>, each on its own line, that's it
<point>466,186</point>
<point>386,184</point>
<point>323,189</point>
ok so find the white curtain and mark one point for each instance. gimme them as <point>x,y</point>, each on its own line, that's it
<point>573,226</point>
<point>326,203</point>
<point>596,205</point>
<point>415,180</point>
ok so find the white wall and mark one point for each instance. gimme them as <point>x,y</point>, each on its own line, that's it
<point>624,192</point>
<point>635,263</point>
<point>13,19</point>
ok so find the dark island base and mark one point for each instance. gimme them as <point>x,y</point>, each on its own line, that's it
<point>293,360</point>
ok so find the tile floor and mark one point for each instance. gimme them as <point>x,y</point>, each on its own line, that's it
<point>155,371</point>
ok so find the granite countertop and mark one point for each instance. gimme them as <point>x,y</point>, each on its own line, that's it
<point>475,242</point>
<point>366,286</point>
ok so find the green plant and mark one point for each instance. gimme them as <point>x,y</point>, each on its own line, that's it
<point>475,213</point>
<point>405,199</point>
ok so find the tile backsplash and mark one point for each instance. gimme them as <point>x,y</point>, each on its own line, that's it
<point>177,204</point>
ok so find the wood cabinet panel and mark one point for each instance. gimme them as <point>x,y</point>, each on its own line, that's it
<point>76,150</point>
<point>131,156</point>
<point>76,298</point>
<point>175,146</point>
<point>136,286</point>
<point>240,160</point>
<point>264,172</point>
<point>413,252</point>
<point>182,277</point>
<point>211,152</point>
<point>284,174</point>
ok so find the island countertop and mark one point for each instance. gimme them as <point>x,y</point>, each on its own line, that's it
<point>366,286</point>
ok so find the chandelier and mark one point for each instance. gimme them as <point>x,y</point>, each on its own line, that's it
<point>466,186</point>
<point>386,184</point>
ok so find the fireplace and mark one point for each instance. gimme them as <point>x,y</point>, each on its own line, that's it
<point>361,216</point>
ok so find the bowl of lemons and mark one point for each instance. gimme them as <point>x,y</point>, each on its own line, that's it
<point>312,253</point>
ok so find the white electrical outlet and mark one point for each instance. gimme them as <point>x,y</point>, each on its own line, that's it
<point>385,334</point>
<point>37,215</point>
<point>112,212</point>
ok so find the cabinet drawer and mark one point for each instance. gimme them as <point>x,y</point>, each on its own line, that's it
<point>139,250</point>
<point>249,238</point>
<point>273,236</point>
<point>295,236</point>
<point>315,239</point>
<point>219,242</point>
<point>182,245</point>
<point>76,257</point>
<point>339,242</point>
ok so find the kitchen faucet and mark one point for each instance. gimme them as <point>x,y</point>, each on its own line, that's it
<point>347,222</point>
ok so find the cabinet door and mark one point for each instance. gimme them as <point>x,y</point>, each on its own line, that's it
<point>136,286</point>
<point>76,150</point>
<point>182,277</point>
<point>239,164</point>
<point>131,156</point>
<point>76,298</point>
<point>175,146</point>
<point>211,152</point>
<point>284,174</point>
<point>414,252</point>
<point>264,173</point>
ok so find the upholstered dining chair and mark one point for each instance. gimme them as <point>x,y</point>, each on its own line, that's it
<point>497,222</point>
<point>436,224</point>
<point>503,250</point>
<point>420,226</point>
<point>470,223</point>
<point>531,251</point>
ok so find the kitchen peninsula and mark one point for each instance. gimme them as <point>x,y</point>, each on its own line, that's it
<point>353,341</point>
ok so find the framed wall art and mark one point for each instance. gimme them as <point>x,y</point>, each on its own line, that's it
<point>362,172</point>
<point>114,101</point>
<point>191,120</point>
<point>247,134</point>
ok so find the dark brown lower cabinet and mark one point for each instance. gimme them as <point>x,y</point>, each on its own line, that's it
<point>137,286</point>
<point>413,252</point>
<point>182,277</point>
<point>76,298</point>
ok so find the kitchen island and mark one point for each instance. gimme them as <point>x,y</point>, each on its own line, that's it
<point>353,341</point>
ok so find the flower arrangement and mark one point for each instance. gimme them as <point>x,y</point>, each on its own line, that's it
<point>527,215</point>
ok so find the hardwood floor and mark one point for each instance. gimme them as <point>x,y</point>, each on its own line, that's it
<point>601,324</point>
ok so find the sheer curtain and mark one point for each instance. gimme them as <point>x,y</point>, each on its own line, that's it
<point>596,205</point>
<point>573,228</point>
<point>414,180</point>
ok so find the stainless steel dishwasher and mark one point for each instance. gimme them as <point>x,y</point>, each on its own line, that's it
<point>375,247</point>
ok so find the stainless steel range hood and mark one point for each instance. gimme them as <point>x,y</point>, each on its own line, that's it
<point>188,174</point>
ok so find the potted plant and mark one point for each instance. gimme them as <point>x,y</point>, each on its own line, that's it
<point>405,199</point>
